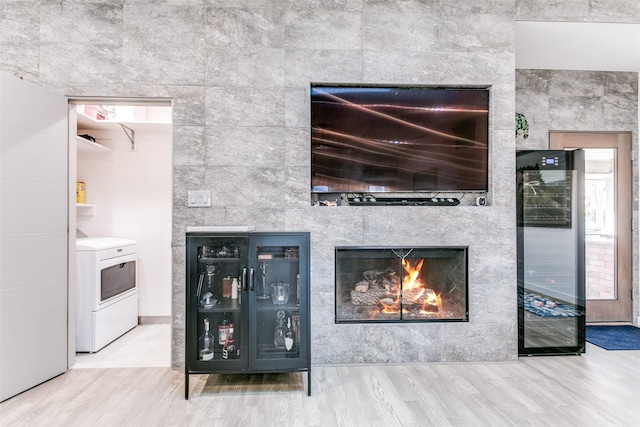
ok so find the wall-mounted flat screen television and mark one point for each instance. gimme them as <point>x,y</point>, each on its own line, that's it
<point>381,139</point>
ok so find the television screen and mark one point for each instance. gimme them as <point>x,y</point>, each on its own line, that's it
<point>368,139</point>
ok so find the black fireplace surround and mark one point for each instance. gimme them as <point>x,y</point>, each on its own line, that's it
<point>396,284</point>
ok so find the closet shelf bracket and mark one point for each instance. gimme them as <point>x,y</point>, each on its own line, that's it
<point>131,134</point>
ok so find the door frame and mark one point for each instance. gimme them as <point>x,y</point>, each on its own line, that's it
<point>619,309</point>
<point>73,102</point>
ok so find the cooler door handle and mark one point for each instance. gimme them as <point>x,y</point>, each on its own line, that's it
<point>251,278</point>
<point>244,278</point>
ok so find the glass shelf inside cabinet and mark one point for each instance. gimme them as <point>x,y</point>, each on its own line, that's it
<point>270,352</point>
<point>267,305</point>
<point>225,305</point>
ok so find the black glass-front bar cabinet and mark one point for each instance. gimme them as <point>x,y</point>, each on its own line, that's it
<point>247,303</point>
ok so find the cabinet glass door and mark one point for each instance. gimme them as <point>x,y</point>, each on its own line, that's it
<point>216,291</point>
<point>276,294</point>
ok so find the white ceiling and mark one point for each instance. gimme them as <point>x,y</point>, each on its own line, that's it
<point>577,46</point>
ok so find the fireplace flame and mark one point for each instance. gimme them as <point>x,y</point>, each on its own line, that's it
<point>432,304</point>
<point>390,305</point>
<point>416,291</point>
<point>411,278</point>
<point>413,297</point>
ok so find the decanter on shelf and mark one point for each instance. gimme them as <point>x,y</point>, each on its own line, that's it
<point>279,334</point>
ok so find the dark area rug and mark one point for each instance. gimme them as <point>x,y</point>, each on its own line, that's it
<point>546,307</point>
<point>614,337</point>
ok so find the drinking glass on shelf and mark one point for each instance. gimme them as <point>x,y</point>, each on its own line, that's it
<point>263,291</point>
<point>279,293</point>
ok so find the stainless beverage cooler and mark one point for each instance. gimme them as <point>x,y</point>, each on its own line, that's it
<point>551,252</point>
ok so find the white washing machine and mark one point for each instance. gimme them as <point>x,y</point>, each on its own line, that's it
<point>107,292</point>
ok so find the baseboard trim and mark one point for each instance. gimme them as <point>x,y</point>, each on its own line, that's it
<point>153,320</point>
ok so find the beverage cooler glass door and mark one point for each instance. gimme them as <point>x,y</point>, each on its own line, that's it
<point>215,279</point>
<point>277,331</point>
<point>551,257</point>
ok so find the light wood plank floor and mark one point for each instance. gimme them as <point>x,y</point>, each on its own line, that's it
<point>600,388</point>
<point>142,347</point>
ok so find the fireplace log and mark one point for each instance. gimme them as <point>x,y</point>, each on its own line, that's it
<point>371,275</point>
<point>376,285</point>
<point>362,286</point>
<point>371,297</point>
<point>387,279</point>
<point>420,296</point>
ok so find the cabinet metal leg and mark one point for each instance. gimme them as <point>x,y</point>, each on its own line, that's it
<point>309,382</point>
<point>186,386</point>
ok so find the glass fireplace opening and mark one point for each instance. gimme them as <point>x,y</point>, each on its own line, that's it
<point>422,284</point>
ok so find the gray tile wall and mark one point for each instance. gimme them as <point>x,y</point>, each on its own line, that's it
<point>239,73</point>
<point>578,10</point>
<point>564,100</point>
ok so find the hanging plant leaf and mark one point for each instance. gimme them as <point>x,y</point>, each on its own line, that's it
<point>522,126</point>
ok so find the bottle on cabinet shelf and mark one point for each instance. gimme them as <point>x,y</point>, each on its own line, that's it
<point>223,331</point>
<point>288,336</point>
<point>229,349</point>
<point>227,287</point>
<point>295,324</point>
<point>234,288</point>
<point>205,343</point>
<point>236,347</point>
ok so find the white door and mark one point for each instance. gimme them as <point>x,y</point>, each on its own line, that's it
<point>33,235</point>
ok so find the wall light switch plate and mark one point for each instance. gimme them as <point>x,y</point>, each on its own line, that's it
<point>199,199</point>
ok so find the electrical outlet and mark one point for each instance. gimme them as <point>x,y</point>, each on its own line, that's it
<point>199,199</point>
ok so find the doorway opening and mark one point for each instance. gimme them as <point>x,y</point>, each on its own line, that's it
<point>121,166</point>
<point>608,210</point>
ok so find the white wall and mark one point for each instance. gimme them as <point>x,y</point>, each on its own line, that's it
<point>132,195</point>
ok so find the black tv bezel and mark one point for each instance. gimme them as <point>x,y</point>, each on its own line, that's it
<point>402,193</point>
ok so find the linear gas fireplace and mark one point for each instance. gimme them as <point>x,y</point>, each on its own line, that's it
<point>415,284</point>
